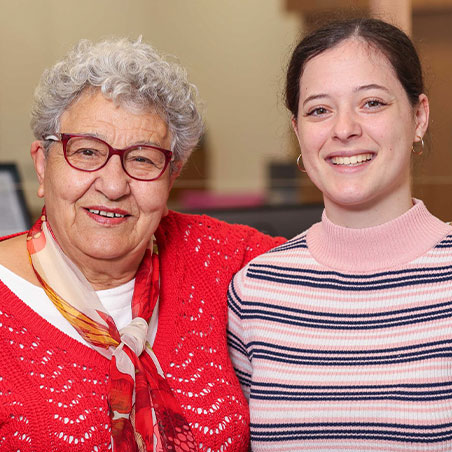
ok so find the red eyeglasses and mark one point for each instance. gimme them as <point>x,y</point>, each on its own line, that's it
<point>87,153</point>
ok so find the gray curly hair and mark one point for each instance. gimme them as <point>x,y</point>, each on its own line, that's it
<point>131,73</point>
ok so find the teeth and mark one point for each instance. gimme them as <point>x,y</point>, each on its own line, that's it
<point>103,213</point>
<point>353,160</point>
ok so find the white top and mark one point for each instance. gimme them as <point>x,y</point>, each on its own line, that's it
<point>116,301</point>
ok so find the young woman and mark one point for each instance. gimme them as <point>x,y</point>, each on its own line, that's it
<point>342,337</point>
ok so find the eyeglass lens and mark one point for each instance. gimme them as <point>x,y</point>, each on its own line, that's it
<point>89,154</point>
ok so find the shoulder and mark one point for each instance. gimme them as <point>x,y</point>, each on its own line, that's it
<point>14,256</point>
<point>193,227</point>
<point>276,259</point>
<point>283,250</point>
<point>210,243</point>
<point>176,220</point>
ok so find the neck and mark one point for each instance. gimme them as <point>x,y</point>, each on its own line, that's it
<point>376,248</point>
<point>108,273</point>
<point>109,277</point>
<point>370,214</point>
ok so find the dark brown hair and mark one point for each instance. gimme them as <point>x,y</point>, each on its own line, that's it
<point>388,39</point>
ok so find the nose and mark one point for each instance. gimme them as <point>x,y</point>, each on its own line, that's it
<point>346,125</point>
<point>112,181</point>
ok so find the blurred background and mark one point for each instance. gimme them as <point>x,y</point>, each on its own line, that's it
<point>236,52</point>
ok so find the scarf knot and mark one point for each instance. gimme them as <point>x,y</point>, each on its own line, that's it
<point>134,335</point>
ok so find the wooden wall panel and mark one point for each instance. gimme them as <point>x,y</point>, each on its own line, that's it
<point>433,176</point>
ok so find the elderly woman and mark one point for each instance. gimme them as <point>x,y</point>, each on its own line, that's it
<point>112,309</point>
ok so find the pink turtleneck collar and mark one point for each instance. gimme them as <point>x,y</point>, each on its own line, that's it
<point>377,248</point>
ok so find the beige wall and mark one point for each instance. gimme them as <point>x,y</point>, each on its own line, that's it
<point>235,51</point>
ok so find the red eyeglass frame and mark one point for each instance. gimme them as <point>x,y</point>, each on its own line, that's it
<point>65,137</point>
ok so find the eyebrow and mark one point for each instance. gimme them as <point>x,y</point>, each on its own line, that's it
<point>137,143</point>
<point>147,143</point>
<point>314,97</point>
<point>371,86</point>
<point>357,89</point>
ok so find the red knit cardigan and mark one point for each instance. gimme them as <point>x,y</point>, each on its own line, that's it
<point>53,388</point>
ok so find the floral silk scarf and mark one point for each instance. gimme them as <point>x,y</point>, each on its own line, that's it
<point>144,413</point>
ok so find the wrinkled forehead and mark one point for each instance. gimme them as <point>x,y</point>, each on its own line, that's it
<point>132,101</point>
<point>97,115</point>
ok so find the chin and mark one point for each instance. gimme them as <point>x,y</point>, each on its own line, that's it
<point>353,201</point>
<point>105,251</point>
<point>350,194</point>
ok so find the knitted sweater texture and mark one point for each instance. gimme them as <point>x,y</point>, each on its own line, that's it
<point>342,338</point>
<point>53,388</point>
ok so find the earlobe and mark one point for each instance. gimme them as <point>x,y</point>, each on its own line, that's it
<point>39,159</point>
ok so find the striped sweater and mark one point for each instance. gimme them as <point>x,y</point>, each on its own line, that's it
<point>342,338</point>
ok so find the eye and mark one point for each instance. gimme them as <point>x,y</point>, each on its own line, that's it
<point>374,104</point>
<point>141,159</point>
<point>84,152</point>
<point>138,158</point>
<point>144,159</point>
<point>317,111</point>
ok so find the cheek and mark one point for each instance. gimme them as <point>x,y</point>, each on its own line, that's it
<point>62,181</point>
<point>397,143</point>
<point>312,138</point>
<point>393,131</point>
<point>64,190</point>
<point>151,200</point>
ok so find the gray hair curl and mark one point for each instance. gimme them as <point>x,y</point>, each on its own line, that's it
<point>130,73</point>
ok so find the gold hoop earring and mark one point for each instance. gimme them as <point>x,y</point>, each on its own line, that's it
<point>421,150</point>
<point>300,166</point>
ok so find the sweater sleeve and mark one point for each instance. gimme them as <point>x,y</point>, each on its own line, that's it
<point>237,340</point>
<point>255,245</point>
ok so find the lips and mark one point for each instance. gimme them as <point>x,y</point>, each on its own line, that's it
<point>352,160</point>
<point>107,213</point>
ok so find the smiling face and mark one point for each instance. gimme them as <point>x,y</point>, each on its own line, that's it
<point>104,215</point>
<point>356,127</point>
